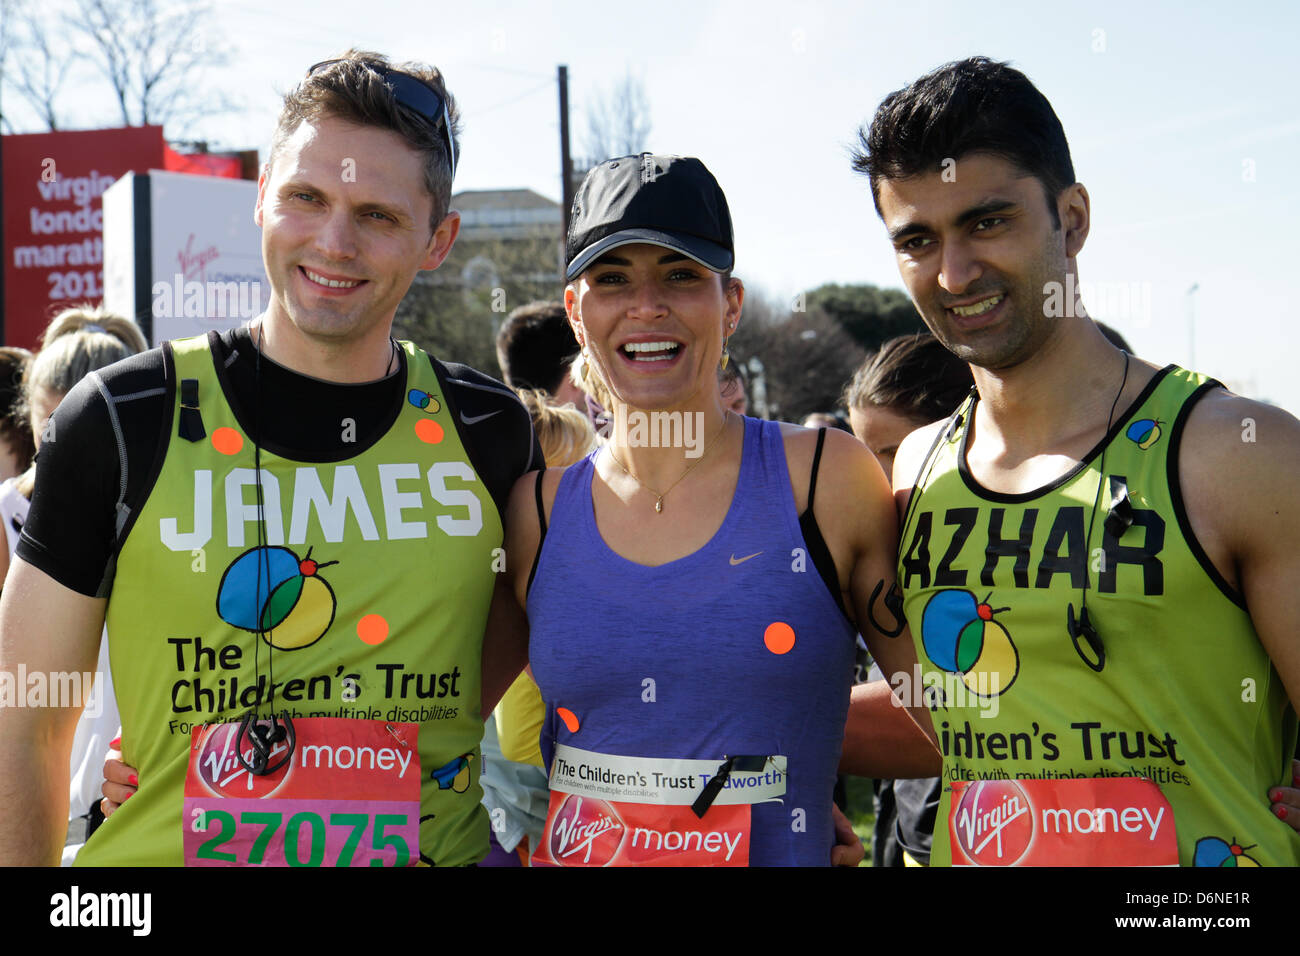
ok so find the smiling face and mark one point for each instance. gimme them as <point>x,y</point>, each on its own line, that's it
<point>654,322</point>
<point>345,217</point>
<point>976,253</point>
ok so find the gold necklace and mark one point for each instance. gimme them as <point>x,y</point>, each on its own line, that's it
<point>659,495</point>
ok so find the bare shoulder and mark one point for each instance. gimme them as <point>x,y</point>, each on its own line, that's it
<point>523,530</point>
<point>853,507</point>
<point>911,453</point>
<point>1239,468</point>
<point>1223,423</point>
<point>846,464</point>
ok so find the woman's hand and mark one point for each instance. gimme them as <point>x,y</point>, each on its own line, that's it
<point>1286,800</point>
<point>120,781</point>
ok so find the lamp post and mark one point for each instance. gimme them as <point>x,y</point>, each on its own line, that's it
<point>1191,326</point>
<point>758,388</point>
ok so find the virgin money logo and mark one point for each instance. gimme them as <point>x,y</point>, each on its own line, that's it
<point>994,822</point>
<point>585,832</point>
<point>224,775</point>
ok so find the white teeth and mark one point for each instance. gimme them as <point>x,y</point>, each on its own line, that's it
<point>651,351</point>
<point>332,283</point>
<point>979,308</point>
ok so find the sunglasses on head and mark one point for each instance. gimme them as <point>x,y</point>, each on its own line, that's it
<point>417,96</point>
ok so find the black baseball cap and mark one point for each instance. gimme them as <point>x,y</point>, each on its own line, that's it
<point>669,201</point>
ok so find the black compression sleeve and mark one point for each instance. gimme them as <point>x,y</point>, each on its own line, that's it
<point>70,528</point>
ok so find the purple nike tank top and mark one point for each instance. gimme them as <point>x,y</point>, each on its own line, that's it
<point>693,659</point>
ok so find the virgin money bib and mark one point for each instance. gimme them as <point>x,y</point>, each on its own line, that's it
<point>1056,751</point>
<point>638,811</point>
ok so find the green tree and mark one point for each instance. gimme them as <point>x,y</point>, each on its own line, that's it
<point>807,357</point>
<point>869,314</point>
<point>455,311</point>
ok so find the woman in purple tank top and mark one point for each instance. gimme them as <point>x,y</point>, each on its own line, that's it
<point>694,587</point>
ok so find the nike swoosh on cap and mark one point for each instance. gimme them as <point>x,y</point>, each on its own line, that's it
<point>735,560</point>
<point>474,419</point>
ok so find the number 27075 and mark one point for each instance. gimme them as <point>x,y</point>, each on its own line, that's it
<point>300,824</point>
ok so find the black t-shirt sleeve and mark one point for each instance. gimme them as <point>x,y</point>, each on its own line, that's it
<point>71,529</point>
<point>494,427</point>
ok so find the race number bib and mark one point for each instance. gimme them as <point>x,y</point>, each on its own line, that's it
<point>349,795</point>
<point>1095,821</point>
<point>633,811</point>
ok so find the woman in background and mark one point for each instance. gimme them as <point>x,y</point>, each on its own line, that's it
<point>77,342</point>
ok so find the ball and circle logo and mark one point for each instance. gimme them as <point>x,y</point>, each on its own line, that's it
<point>994,822</point>
<point>222,773</point>
<point>585,832</point>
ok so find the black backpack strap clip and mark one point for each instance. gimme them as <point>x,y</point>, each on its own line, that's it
<point>191,421</point>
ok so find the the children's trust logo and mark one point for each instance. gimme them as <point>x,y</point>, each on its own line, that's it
<point>961,636</point>
<point>271,591</point>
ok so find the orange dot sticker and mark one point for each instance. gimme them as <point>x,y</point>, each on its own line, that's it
<point>227,441</point>
<point>372,629</point>
<point>427,430</point>
<point>779,637</point>
<point>569,717</point>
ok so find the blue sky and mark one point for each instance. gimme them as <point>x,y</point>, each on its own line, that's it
<point>1181,119</point>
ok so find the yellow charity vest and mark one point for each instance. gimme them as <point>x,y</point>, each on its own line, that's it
<point>363,606</point>
<point>1178,689</point>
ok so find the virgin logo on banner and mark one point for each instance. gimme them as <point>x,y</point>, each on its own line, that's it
<point>1104,821</point>
<point>584,831</point>
<point>53,220</point>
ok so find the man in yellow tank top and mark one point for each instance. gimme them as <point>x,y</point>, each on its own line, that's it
<point>291,528</point>
<point>1098,557</point>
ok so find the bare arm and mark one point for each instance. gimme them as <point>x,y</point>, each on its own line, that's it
<point>1240,476</point>
<point>883,738</point>
<point>1240,472</point>
<point>505,645</point>
<point>49,629</point>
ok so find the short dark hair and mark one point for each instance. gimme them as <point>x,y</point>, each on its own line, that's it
<point>913,375</point>
<point>968,106</point>
<point>535,346</point>
<point>352,89</point>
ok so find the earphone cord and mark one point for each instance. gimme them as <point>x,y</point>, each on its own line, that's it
<point>263,562</point>
<point>955,421</point>
<point>1101,481</point>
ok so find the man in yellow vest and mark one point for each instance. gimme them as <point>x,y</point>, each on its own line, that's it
<point>292,530</point>
<point>1098,556</point>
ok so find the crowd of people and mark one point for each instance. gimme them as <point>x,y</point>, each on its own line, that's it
<point>362,605</point>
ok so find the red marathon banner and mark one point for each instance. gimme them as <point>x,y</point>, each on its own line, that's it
<point>53,219</point>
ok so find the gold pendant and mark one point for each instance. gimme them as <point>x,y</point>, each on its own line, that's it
<point>659,504</point>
